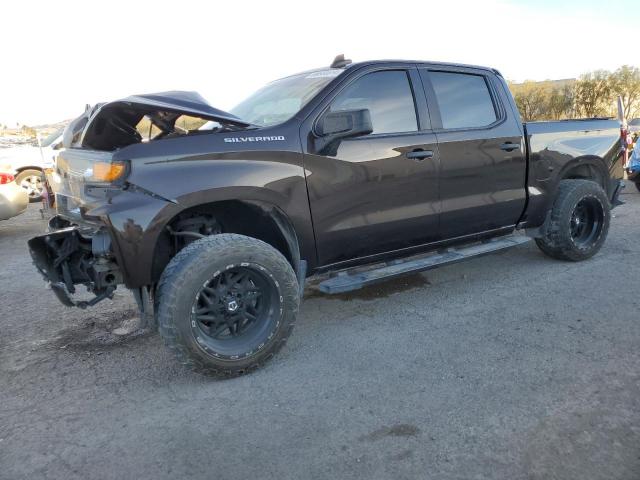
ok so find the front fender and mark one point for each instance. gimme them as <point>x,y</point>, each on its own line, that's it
<point>167,187</point>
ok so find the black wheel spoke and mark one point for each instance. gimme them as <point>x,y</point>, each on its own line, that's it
<point>212,293</point>
<point>586,221</point>
<point>234,307</point>
<point>253,294</point>
<point>219,329</point>
<point>206,298</point>
<point>234,327</point>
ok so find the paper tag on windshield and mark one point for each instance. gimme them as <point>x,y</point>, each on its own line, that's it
<point>325,73</point>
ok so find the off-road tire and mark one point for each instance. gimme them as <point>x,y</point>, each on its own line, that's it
<point>30,173</point>
<point>186,275</point>
<point>557,240</point>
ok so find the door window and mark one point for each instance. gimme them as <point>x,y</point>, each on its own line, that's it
<point>387,95</point>
<point>464,100</point>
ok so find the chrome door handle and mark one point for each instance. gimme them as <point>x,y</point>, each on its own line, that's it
<point>507,147</point>
<point>420,154</point>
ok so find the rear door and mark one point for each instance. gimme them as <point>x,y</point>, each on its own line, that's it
<point>378,192</point>
<point>482,160</point>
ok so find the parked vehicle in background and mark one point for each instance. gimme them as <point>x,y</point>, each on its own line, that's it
<point>634,126</point>
<point>633,170</point>
<point>357,172</point>
<point>13,198</point>
<point>27,163</point>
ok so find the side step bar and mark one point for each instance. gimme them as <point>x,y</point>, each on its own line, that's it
<point>349,280</point>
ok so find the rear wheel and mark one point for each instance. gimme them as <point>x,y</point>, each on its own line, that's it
<point>31,180</point>
<point>227,303</point>
<point>579,221</point>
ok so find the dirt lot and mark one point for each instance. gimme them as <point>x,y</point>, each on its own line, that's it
<point>512,366</point>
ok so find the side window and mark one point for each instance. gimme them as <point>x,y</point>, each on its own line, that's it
<point>388,97</point>
<point>464,100</point>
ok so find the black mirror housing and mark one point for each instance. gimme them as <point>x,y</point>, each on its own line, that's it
<point>335,126</point>
<point>345,123</point>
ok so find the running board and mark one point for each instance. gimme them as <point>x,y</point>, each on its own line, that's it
<point>349,280</point>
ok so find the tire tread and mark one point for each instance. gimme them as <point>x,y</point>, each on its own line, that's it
<point>168,298</point>
<point>556,241</point>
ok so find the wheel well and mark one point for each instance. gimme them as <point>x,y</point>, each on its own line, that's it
<point>22,169</point>
<point>585,171</point>
<point>257,220</point>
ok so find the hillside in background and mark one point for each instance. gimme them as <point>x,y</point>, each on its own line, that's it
<point>26,135</point>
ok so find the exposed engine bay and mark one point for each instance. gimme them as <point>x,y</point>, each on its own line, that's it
<point>144,118</point>
<point>67,256</point>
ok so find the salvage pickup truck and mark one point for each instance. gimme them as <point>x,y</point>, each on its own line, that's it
<point>353,174</point>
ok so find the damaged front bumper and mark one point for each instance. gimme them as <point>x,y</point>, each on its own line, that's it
<point>71,255</point>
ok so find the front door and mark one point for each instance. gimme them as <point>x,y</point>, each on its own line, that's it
<point>379,192</point>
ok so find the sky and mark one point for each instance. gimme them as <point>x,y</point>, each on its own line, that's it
<point>58,56</point>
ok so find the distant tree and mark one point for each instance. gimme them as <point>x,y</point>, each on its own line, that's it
<point>530,97</point>
<point>625,82</point>
<point>28,131</point>
<point>560,102</point>
<point>593,94</point>
<point>543,100</point>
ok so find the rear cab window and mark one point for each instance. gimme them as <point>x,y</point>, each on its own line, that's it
<point>464,99</point>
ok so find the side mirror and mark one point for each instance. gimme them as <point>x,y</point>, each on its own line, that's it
<point>56,146</point>
<point>335,126</point>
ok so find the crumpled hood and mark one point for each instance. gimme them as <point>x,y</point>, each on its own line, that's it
<point>184,103</point>
<point>112,125</point>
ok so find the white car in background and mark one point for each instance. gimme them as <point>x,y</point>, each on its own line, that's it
<point>27,163</point>
<point>13,198</point>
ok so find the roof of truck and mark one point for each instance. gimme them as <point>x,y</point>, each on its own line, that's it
<point>382,62</point>
<point>420,62</point>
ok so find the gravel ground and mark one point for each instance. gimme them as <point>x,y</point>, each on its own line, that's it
<point>511,366</point>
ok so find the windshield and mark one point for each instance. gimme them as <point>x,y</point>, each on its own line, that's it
<point>280,100</point>
<point>51,138</point>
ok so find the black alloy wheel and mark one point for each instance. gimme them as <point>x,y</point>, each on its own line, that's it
<point>586,221</point>
<point>227,303</point>
<point>578,221</point>
<point>232,311</point>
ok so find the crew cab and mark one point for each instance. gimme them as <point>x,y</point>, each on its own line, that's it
<point>352,174</point>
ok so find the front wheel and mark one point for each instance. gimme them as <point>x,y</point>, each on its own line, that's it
<point>579,221</point>
<point>227,303</point>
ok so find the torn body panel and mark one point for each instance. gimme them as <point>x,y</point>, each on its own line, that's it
<point>113,125</point>
<point>155,181</point>
<point>67,257</point>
